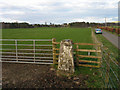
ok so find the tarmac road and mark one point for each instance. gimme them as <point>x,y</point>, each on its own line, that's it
<point>112,38</point>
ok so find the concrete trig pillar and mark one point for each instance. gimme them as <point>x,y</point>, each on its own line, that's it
<point>65,60</point>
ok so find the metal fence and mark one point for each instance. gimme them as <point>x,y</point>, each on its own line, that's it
<point>109,67</point>
<point>38,51</point>
<point>109,70</point>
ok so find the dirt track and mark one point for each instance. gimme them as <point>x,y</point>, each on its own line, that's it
<point>37,76</point>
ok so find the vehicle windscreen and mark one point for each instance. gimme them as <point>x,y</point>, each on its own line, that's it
<point>98,30</point>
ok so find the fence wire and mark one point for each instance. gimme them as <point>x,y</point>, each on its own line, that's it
<point>109,67</point>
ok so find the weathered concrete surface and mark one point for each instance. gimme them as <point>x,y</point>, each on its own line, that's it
<point>65,60</point>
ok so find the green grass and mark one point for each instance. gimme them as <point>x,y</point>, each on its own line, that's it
<point>111,48</point>
<point>82,35</point>
<point>94,79</point>
<point>114,55</point>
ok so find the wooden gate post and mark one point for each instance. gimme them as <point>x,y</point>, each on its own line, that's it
<point>54,51</point>
<point>77,58</point>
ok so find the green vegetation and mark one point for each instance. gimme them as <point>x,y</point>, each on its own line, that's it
<point>82,35</point>
<point>109,45</point>
<point>94,76</point>
<point>113,51</point>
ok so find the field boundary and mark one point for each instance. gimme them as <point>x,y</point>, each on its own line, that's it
<point>109,66</point>
<point>33,54</point>
<point>80,62</point>
<point>12,52</point>
<point>113,30</point>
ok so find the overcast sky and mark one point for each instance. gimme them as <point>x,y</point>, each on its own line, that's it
<point>58,11</point>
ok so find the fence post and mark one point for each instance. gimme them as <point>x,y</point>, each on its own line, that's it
<point>34,49</point>
<point>77,58</point>
<point>54,51</point>
<point>99,54</point>
<point>16,50</point>
<point>107,70</point>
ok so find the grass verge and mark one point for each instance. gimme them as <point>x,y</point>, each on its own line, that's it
<point>111,48</point>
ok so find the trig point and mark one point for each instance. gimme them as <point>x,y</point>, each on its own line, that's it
<point>65,60</point>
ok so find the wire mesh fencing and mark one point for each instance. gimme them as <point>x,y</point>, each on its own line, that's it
<point>109,66</point>
<point>109,70</point>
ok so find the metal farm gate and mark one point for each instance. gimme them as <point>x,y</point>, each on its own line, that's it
<point>38,51</point>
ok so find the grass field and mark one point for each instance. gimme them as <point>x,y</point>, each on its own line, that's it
<point>82,35</point>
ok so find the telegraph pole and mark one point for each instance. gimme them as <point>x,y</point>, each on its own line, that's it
<point>105,22</point>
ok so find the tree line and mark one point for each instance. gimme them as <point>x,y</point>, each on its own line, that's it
<point>73,24</point>
<point>26,25</point>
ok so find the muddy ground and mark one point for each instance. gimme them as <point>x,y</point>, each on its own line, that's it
<point>37,76</point>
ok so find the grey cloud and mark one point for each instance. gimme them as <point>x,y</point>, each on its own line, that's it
<point>59,13</point>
